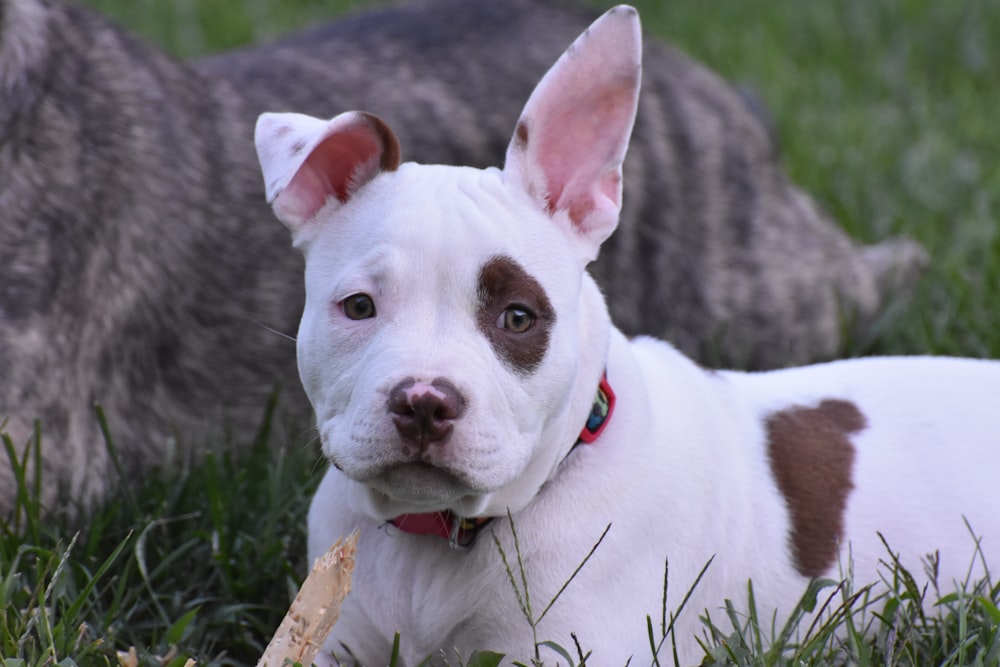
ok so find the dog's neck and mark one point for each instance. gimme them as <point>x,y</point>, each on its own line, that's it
<point>461,532</point>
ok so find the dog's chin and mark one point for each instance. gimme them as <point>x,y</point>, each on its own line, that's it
<point>420,487</point>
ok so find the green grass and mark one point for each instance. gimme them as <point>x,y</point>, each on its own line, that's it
<point>886,111</point>
<point>205,557</point>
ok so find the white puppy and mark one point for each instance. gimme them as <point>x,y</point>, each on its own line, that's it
<point>452,346</point>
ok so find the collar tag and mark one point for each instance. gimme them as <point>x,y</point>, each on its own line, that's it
<point>600,412</point>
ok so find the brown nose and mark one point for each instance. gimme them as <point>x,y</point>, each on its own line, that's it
<point>424,413</point>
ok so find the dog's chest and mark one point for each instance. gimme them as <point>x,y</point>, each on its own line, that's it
<point>437,596</point>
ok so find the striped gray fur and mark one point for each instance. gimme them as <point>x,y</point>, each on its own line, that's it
<point>141,268</point>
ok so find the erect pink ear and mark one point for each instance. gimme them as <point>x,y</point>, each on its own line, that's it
<point>308,162</point>
<point>571,139</point>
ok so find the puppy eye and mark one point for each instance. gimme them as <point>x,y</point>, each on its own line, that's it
<point>358,307</point>
<point>516,319</point>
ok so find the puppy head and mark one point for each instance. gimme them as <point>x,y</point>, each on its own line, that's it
<point>451,343</point>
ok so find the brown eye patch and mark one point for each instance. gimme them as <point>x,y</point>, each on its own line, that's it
<point>504,283</point>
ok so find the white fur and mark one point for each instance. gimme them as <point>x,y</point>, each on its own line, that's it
<point>681,471</point>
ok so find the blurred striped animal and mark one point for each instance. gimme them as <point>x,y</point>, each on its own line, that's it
<point>141,270</point>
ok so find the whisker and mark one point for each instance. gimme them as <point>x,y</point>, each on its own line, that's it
<point>274,331</point>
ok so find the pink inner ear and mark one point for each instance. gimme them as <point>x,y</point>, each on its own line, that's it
<point>579,151</point>
<point>359,146</point>
<point>337,166</point>
<point>345,159</point>
<point>570,142</point>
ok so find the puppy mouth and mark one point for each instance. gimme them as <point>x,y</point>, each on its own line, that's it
<point>422,483</point>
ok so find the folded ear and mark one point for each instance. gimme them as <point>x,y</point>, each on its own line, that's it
<point>571,139</point>
<point>309,163</point>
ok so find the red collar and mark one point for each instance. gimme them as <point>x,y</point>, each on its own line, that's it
<point>462,532</point>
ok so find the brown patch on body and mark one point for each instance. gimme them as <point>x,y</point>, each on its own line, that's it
<point>812,458</point>
<point>504,283</point>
